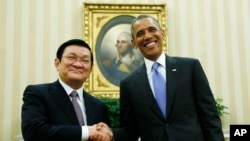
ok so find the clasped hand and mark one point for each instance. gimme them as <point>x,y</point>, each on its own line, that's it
<point>100,132</point>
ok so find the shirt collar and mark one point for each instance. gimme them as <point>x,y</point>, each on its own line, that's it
<point>131,55</point>
<point>161,60</point>
<point>68,89</point>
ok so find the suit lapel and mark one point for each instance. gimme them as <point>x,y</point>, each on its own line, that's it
<point>63,101</point>
<point>90,113</point>
<point>147,93</point>
<point>173,70</point>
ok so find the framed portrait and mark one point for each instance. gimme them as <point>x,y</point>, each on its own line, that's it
<point>106,28</point>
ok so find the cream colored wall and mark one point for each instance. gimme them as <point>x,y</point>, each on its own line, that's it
<point>215,31</point>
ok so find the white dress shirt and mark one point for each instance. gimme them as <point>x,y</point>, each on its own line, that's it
<point>80,100</point>
<point>162,69</point>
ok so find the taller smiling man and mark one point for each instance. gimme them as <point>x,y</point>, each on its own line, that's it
<point>187,111</point>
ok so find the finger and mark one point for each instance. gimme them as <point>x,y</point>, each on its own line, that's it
<point>100,125</point>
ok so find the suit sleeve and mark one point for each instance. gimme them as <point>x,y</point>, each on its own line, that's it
<point>205,105</point>
<point>127,130</point>
<point>36,125</point>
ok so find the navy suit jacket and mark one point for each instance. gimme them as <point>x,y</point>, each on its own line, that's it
<point>191,111</point>
<point>48,114</point>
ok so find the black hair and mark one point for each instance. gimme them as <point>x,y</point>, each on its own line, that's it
<point>78,42</point>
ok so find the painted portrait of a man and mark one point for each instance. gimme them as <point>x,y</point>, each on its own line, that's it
<point>117,57</point>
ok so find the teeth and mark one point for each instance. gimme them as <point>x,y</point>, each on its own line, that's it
<point>150,44</point>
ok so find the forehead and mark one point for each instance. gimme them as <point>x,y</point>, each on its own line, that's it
<point>145,23</point>
<point>122,38</point>
<point>77,50</point>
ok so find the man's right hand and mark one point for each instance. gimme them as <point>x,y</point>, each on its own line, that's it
<point>100,132</point>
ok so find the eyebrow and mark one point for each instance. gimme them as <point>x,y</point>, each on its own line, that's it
<point>72,53</point>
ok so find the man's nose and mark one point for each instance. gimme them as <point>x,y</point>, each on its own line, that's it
<point>148,35</point>
<point>118,44</point>
<point>78,63</point>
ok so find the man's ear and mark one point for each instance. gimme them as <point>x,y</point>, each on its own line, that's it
<point>133,43</point>
<point>163,32</point>
<point>56,63</point>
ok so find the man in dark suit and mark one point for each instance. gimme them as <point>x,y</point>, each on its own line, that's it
<point>48,112</point>
<point>189,107</point>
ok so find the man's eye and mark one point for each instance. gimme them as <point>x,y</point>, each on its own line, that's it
<point>85,61</point>
<point>71,57</point>
<point>152,29</point>
<point>139,34</point>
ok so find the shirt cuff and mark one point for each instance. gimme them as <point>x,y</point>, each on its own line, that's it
<point>85,133</point>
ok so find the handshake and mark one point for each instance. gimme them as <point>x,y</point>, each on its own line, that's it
<point>100,132</point>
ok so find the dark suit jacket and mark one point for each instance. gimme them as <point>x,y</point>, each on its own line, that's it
<point>48,114</point>
<point>191,110</point>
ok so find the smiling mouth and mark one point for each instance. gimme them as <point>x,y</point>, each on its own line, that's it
<point>151,44</point>
<point>75,71</point>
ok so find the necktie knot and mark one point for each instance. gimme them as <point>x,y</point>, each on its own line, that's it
<point>74,94</point>
<point>155,65</point>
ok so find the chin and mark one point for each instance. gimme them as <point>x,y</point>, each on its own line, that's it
<point>76,77</point>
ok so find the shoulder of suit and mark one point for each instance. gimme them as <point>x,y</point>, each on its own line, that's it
<point>133,74</point>
<point>41,85</point>
<point>90,97</point>
<point>179,58</point>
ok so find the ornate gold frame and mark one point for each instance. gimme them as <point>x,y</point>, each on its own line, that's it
<point>95,17</point>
